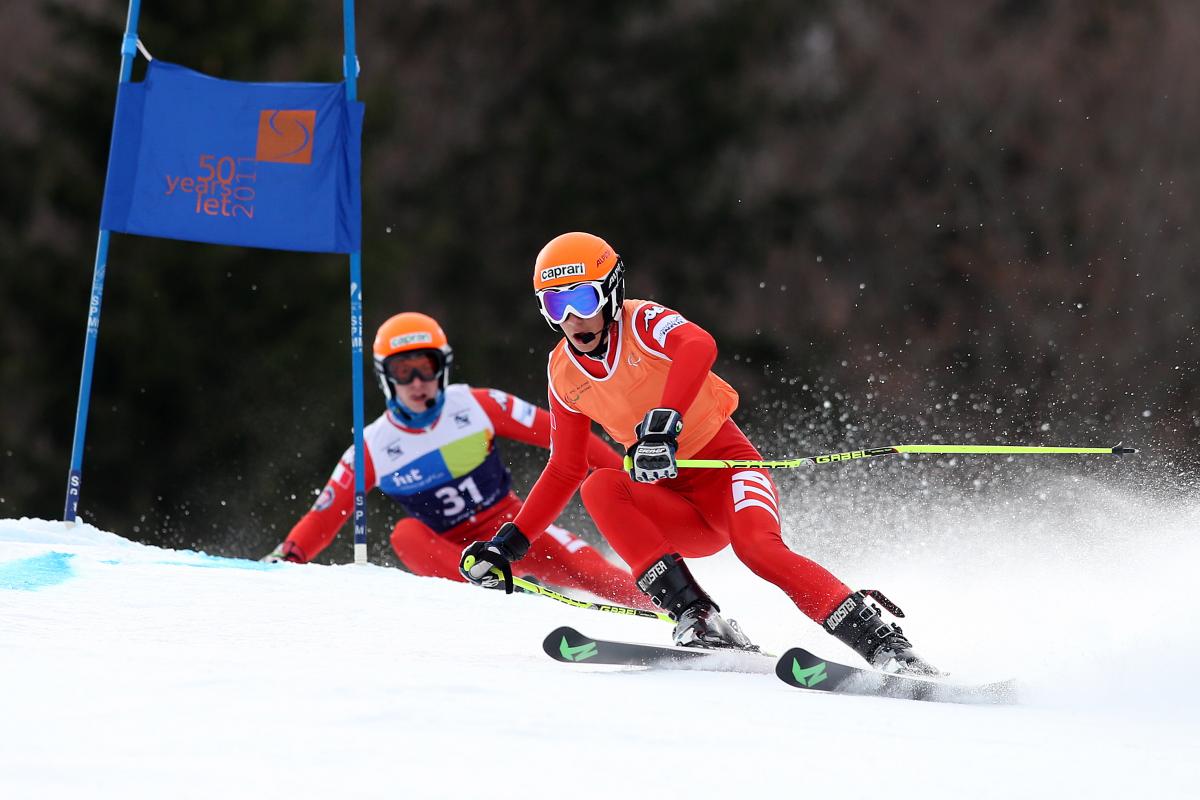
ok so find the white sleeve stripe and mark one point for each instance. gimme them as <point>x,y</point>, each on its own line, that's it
<point>522,412</point>
<point>665,326</point>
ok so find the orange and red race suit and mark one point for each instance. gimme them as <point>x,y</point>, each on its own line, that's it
<point>658,359</point>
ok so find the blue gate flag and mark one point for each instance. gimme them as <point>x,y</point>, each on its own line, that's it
<point>274,165</point>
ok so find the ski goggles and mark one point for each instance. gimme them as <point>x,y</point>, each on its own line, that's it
<point>403,368</point>
<point>584,300</point>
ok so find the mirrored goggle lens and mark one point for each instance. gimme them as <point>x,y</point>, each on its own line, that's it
<point>404,368</point>
<point>583,300</point>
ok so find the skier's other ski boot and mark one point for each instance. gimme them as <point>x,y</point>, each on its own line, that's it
<point>701,626</point>
<point>859,625</point>
<point>670,586</point>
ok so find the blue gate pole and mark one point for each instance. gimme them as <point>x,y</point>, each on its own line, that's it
<point>350,71</point>
<point>75,476</point>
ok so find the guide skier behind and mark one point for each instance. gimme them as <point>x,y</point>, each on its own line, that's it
<point>643,372</point>
<point>434,452</point>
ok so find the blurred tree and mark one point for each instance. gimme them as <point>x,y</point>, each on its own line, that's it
<point>910,218</point>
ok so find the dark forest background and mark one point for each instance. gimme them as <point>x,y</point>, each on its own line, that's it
<point>920,220</point>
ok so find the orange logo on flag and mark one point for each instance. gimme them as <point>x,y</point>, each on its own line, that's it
<point>286,137</point>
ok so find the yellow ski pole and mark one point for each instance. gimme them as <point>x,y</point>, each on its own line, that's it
<point>895,449</point>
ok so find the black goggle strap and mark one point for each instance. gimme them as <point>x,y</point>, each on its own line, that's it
<point>612,284</point>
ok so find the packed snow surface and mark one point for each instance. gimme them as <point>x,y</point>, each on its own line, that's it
<point>129,671</point>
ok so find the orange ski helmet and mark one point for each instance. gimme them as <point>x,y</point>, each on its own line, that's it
<point>399,344</point>
<point>578,273</point>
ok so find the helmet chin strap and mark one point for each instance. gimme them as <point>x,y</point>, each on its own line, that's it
<point>433,410</point>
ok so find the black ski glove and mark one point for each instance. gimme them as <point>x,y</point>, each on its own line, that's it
<point>489,564</point>
<point>653,454</point>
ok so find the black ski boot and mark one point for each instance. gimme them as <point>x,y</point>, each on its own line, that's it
<point>671,587</point>
<point>859,625</point>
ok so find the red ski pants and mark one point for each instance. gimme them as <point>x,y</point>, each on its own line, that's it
<point>559,557</point>
<point>702,511</point>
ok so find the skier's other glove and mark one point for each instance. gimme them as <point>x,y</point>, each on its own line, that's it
<point>286,551</point>
<point>489,564</point>
<point>652,456</point>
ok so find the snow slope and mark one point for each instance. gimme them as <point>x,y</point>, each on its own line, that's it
<point>129,671</point>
